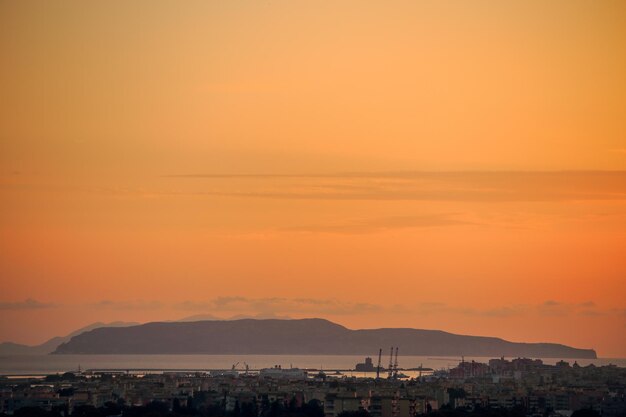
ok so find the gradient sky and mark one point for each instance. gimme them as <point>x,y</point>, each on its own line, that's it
<point>431,164</point>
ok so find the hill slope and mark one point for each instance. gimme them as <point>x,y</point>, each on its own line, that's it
<point>305,337</point>
<point>10,348</point>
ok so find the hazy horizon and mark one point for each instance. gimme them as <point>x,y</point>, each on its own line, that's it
<point>262,316</point>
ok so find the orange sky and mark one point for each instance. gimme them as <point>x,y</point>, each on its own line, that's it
<point>450,165</point>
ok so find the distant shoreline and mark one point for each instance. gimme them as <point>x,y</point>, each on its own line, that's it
<point>16,365</point>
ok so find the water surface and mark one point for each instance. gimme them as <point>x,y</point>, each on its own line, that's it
<point>48,364</point>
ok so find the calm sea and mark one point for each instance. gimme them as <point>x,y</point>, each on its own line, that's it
<point>47,364</point>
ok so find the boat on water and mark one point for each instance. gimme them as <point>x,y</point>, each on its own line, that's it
<point>279,372</point>
<point>225,372</point>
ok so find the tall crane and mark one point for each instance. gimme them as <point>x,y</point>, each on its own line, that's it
<point>380,354</point>
<point>395,365</point>
<point>390,370</point>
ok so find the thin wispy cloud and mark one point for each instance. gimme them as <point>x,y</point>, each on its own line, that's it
<point>434,308</point>
<point>497,186</point>
<point>273,305</point>
<point>592,313</point>
<point>380,224</point>
<point>469,186</point>
<point>549,308</point>
<point>28,304</point>
<point>257,316</point>
<point>128,305</point>
<point>588,304</point>
<point>553,308</point>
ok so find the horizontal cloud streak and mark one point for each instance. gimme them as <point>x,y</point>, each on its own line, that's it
<point>549,308</point>
<point>497,186</point>
<point>279,305</point>
<point>267,307</point>
<point>443,308</point>
<point>28,304</point>
<point>381,224</point>
<point>128,305</point>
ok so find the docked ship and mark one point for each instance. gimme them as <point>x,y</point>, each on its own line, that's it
<point>278,372</point>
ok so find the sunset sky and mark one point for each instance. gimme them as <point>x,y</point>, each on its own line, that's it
<point>453,165</point>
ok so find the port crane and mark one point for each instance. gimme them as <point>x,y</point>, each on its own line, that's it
<point>395,365</point>
<point>380,353</point>
<point>390,370</point>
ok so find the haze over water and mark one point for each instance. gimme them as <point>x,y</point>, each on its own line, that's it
<point>48,364</point>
